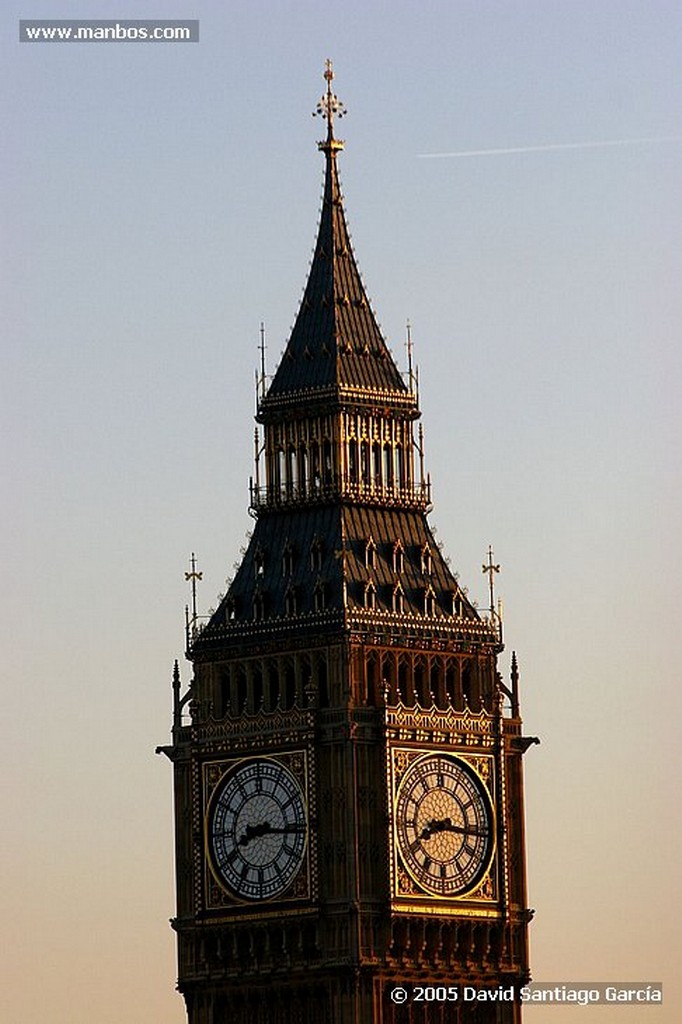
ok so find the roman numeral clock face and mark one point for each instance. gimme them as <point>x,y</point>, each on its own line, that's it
<point>257,829</point>
<point>444,825</point>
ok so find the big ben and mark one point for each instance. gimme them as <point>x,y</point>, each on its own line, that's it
<point>347,758</point>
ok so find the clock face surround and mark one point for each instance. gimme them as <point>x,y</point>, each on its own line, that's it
<point>444,825</point>
<point>257,829</point>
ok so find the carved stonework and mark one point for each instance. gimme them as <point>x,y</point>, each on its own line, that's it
<point>406,886</point>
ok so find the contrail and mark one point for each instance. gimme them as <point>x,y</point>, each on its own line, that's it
<point>550,147</point>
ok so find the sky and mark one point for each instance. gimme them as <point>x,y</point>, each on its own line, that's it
<point>158,203</point>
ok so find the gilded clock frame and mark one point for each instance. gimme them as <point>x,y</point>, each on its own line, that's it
<point>216,893</point>
<point>405,889</point>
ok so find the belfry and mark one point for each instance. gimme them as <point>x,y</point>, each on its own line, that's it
<point>347,758</point>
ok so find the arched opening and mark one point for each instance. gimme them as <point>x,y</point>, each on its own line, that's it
<point>327,462</point>
<point>388,679</point>
<point>364,464</point>
<point>467,683</point>
<point>257,689</point>
<point>322,683</point>
<point>280,470</point>
<point>451,684</point>
<point>405,687</point>
<point>222,704</point>
<point>371,676</point>
<point>273,687</point>
<point>241,690</point>
<point>291,470</point>
<point>436,685</point>
<point>289,686</point>
<point>353,461</point>
<point>303,469</point>
<point>399,466</point>
<point>376,464</point>
<point>315,478</point>
<point>421,685</point>
<point>388,465</point>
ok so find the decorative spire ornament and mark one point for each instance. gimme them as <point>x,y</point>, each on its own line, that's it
<point>191,577</point>
<point>491,569</point>
<point>329,107</point>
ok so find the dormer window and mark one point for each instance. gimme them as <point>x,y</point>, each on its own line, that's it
<point>429,602</point>
<point>398,600</point>
<point>427,560</point>
<point>287,560</point>
<point>457,604</point>
<point>258,605</point>
<point>316,555</point>
<point>370,553</point>
<point>259,563</point>
<point>319,596</point>
<point>230,609</point>
<point>398,557</point>
<point>291,601</point>
<point>370,596</point>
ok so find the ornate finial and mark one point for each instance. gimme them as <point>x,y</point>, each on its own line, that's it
<point>191,577</point>
<point>408,346</point>
<point>491,569</point>
<point>330,106</point>
<point>261,349</point>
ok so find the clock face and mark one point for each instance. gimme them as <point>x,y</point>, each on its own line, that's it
<point>257,829</point>
<point>444,825</point>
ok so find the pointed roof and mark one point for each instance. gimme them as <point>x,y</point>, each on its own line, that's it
<point>336,345</point>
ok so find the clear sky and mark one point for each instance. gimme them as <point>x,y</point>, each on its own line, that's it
<point>159,201</point>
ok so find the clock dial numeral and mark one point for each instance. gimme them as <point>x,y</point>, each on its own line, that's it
<point>444,825</point>
<point>258,829</point>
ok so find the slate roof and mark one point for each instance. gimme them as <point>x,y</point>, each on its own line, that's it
<point>309,569</point>
<point>336,343</point>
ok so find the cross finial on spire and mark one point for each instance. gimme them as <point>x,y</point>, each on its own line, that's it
<point>191,577</point>
<point>491,569</point>
<point>330,106</point>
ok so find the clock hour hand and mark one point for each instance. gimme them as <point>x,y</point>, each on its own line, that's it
<point>265,829</point>
<point>431,828</point>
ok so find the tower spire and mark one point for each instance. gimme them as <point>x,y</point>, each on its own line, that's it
<point>335,342</point>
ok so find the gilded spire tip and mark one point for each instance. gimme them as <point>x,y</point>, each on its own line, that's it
<point>329,107</point>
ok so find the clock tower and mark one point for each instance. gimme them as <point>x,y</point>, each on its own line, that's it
<point>347,759</point>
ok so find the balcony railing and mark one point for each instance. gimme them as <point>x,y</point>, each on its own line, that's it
<point>414,495</point>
